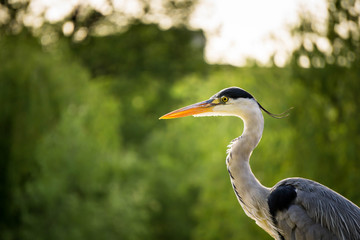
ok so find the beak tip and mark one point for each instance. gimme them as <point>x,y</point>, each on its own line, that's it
<point>163,117</point>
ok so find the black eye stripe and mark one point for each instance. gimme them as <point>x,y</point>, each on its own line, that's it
<point>233,92</point>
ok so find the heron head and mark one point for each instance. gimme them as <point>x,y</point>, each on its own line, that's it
<point>231,101</point>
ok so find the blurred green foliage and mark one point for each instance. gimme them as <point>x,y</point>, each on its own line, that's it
<point>332,81</point>
<point>84,156</point>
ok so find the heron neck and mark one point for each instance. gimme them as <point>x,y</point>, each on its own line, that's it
<point>248,189</point>
<point>253,129</point>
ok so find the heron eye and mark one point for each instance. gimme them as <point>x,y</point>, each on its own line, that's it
<point>224,99</point>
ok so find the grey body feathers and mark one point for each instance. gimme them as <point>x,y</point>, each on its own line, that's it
<point>316,212</point>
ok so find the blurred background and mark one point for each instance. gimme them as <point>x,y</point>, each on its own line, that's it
<point>83,83</point>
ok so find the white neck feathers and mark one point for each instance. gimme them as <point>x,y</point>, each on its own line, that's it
<point>249,191</point>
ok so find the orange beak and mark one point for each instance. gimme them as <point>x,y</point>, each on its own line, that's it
<point>201,107</point>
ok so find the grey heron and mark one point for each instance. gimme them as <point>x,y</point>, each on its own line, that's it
<point>295,208</point>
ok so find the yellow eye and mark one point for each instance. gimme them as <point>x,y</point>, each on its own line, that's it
<point>224,99</point>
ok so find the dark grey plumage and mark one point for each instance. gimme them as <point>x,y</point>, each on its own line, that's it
<point>233,92</point>
<point>316,212</point>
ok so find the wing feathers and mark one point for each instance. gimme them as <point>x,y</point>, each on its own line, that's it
<point>317,212</point>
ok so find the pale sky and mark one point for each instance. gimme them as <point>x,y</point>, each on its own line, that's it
<point>238,29</point>
<point>234,29</point>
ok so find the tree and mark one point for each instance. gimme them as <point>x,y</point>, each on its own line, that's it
<point>327,65</point>
<point>63,171</point>
<point>90,18</point>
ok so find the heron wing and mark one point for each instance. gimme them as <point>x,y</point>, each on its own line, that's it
<point>315,212</point>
